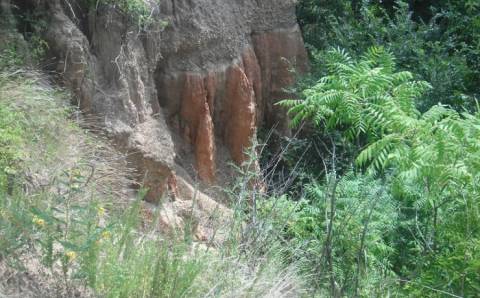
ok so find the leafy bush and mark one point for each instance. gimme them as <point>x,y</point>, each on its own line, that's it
<point>433,158</point>
<point>364,219</point>
<point>360,97</point>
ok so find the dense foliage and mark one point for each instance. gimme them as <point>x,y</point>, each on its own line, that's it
<point>354,254</point>
<point>429,162</point>
<point>387,202</point>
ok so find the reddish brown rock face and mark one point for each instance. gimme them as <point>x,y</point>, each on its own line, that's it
<point>191,93</point>
<point>237,92</point>
<point>240,121</point>
<point>196,122</point>
<point>217,74</point>
<point>205,146</point>
<point>254,75</point>
<point>230,102</point>
<point>193,100</point>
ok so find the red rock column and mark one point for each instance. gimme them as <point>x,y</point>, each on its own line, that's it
<point>197,125</point>
<point>240,122</point>
<point>205,146</point>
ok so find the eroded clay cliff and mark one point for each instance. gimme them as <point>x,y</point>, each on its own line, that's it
<point>186,95</point>
<point>234,59</point>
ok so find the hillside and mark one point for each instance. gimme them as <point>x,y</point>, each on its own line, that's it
<point>239,148</point>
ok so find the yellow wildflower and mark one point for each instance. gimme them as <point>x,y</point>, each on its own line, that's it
<point>38,221</point>
<point>71,255</point>
<point>106,235</point>
<point>101,211</point>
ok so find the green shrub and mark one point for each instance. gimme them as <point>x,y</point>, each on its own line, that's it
<point>361,98</point>
<point>363,227</point>
<point>432,156</point>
